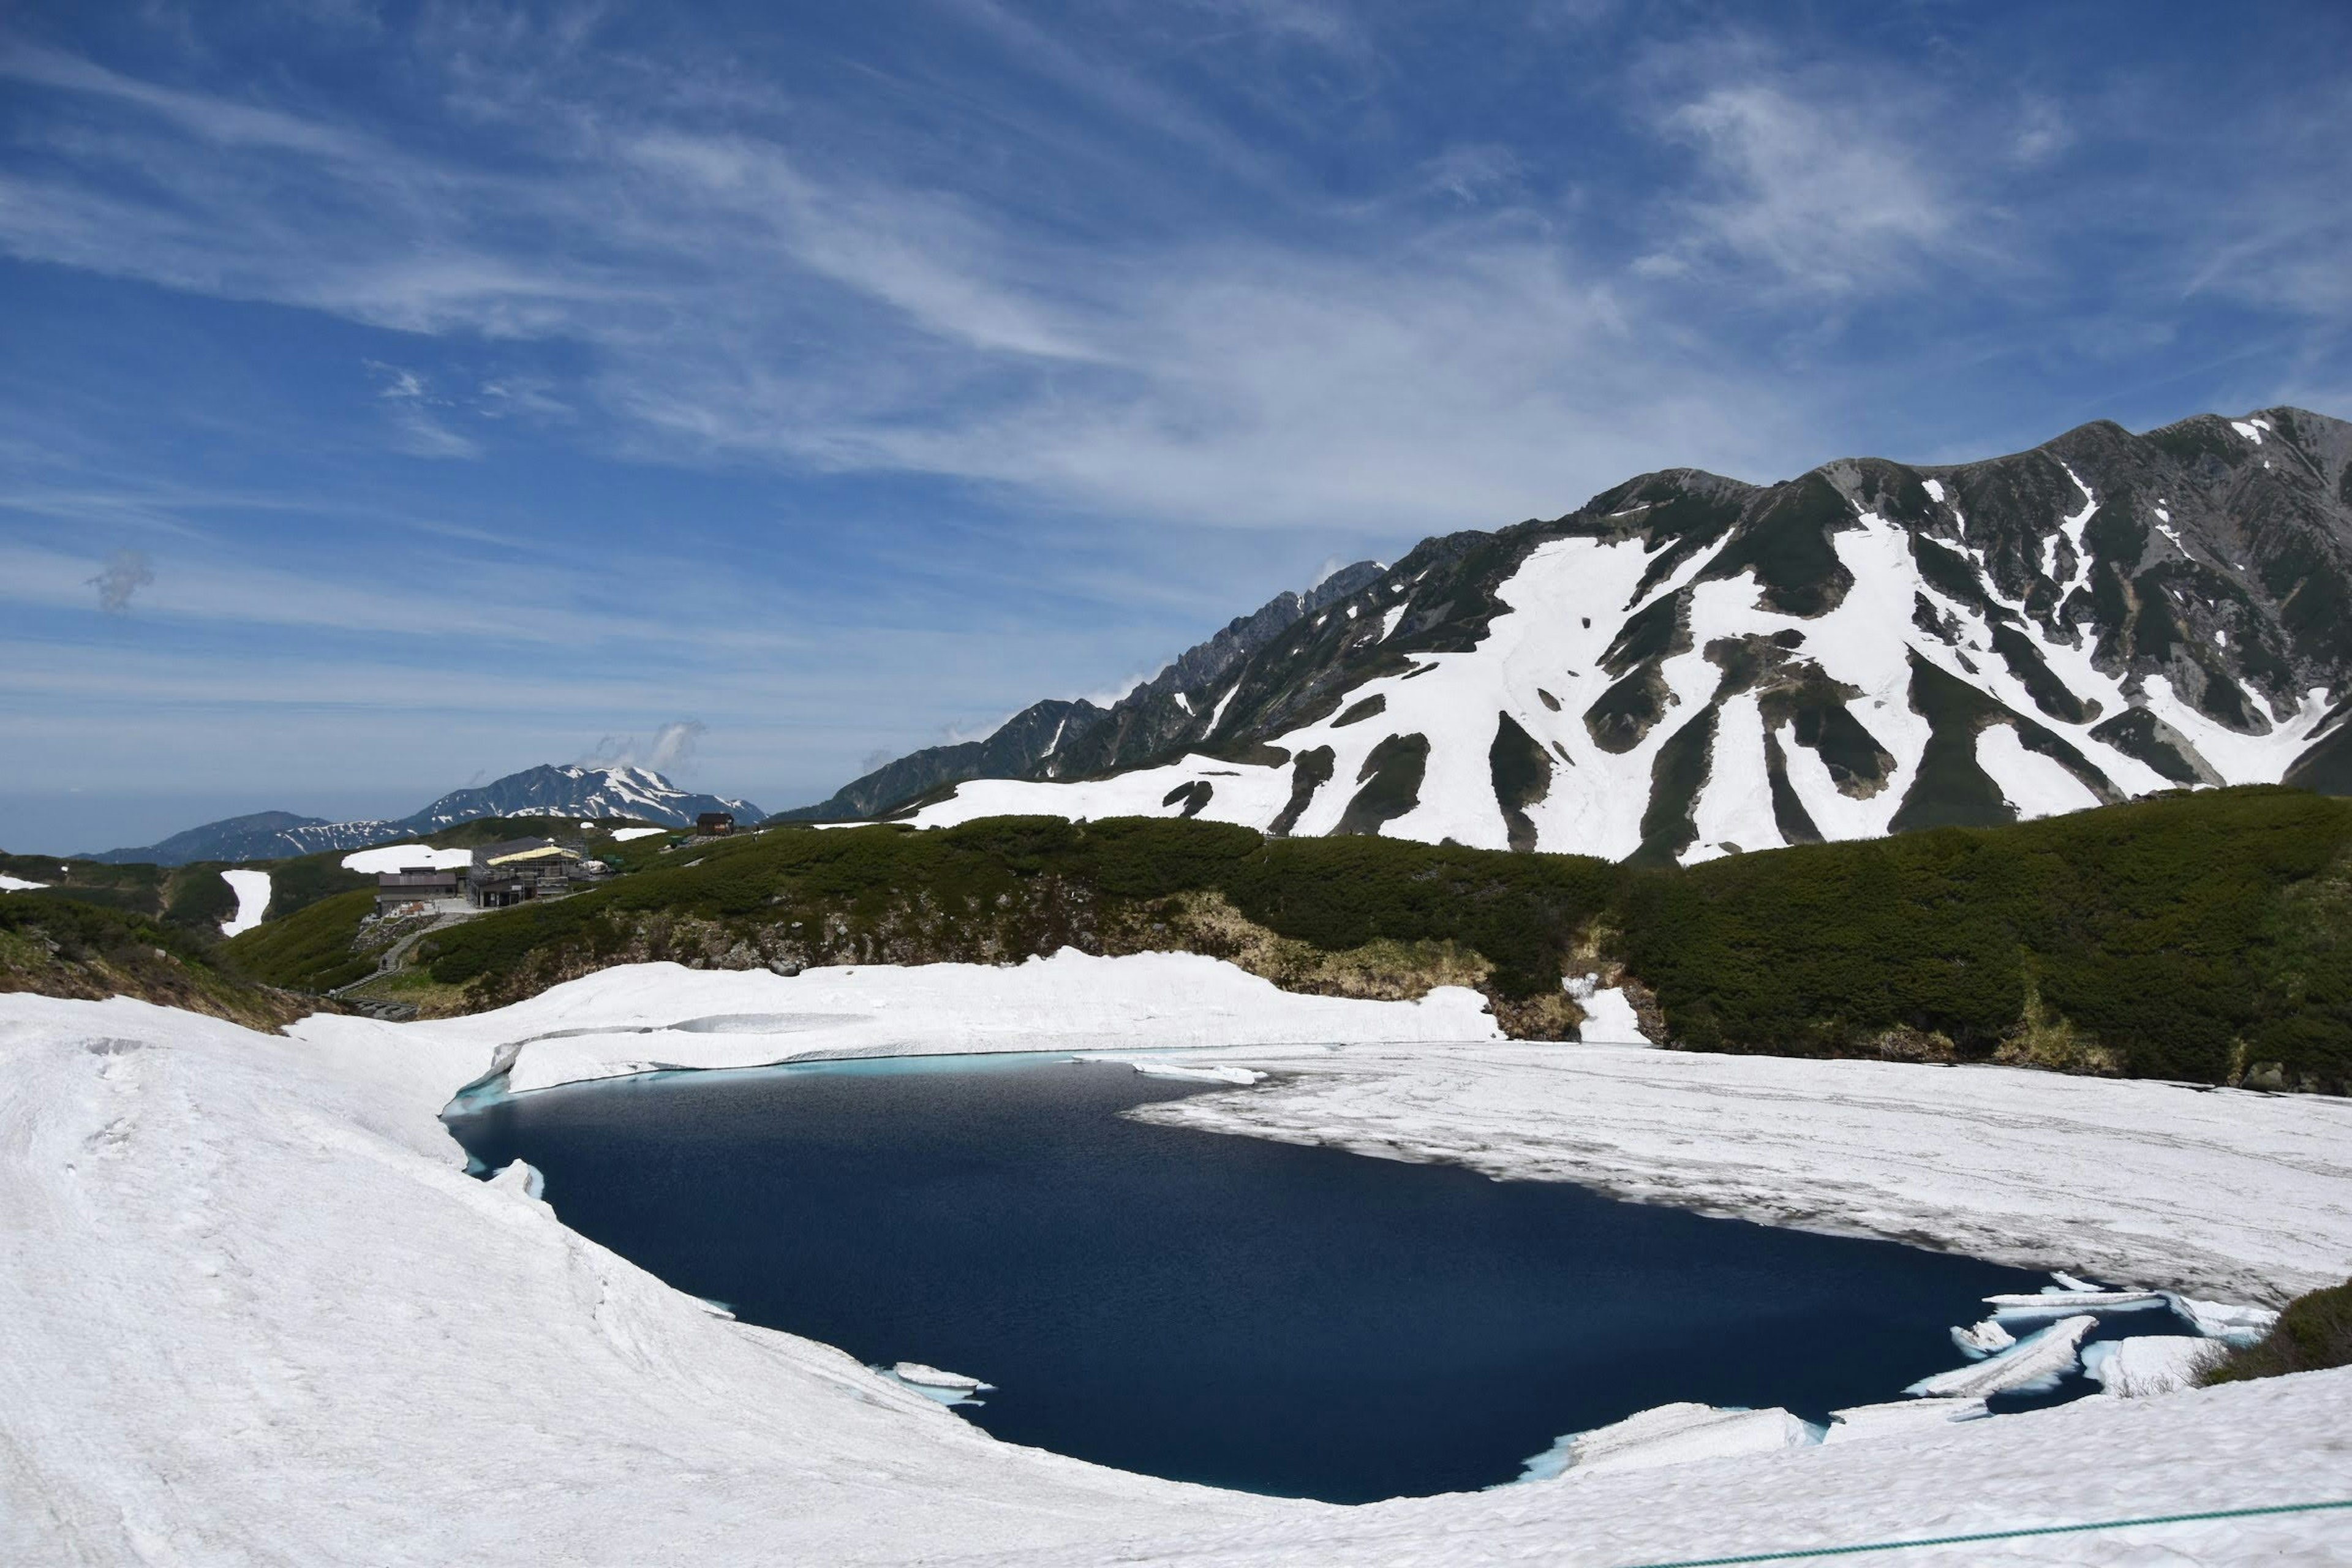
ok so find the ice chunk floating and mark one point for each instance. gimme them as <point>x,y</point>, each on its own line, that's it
<point>1259,1315</point>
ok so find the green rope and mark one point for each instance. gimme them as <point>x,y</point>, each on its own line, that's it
<point>1994,1535</point>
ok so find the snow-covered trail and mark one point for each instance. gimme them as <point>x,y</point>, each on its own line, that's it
<point>252,1312</point>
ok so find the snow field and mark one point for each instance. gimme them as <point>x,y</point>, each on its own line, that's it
<point>252,1312</point>
<point>18,885</point>
<point>1672,1435</point>
<point>2226,1193</point>
<point>2149,1363</point>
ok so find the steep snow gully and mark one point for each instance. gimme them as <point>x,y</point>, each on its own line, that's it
<point>252,1310</point>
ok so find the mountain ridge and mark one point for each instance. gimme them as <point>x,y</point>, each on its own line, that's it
<point>1082,737</point>
<point>1690,665</point>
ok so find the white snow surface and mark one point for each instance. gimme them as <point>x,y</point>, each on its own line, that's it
<point>1899,1416</point>
<point>1984,1339</point>
<point>1610,1018</point>
<point>18,885</point>
<point>1672,1435</point>
<point>386,857</point>
<point>2149,1363</point>
<point>2036,1362</point>
<point>642,1016</point>
<point>2237,1323</point>
<point>623,834</point>
<point>932,1377</point>
<point>251,1312</point>
<point>1208,1072</point>
<point>252,890</point>
<point>2229,1194</point>
<point>1217,715</point>
<point>2062,1303</point>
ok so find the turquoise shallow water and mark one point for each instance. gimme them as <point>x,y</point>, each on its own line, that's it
<point>1222,1310</point>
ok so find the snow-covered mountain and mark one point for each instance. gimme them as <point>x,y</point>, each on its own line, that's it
<point>1690,666</point>
<point>1054,738</point>
<point>576,791</point>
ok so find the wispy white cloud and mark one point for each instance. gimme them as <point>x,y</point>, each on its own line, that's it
<point>417,415</point>
<point>742,302</point>
<point>1820,191</point>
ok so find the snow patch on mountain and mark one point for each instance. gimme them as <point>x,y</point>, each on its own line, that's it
<point>252,890</point>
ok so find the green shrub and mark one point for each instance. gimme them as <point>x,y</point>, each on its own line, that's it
<point>310,950</point>
<point>2312,1334</point>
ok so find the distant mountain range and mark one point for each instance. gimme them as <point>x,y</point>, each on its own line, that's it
<point>1690,666</point>
<point>544,791</point>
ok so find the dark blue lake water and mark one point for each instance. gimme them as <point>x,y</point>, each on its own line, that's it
<point>1214,1309</point>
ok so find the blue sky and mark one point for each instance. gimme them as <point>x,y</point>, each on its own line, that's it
<point>443,389</point>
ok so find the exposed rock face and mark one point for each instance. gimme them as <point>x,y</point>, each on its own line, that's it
<point>1689,665</point>
<point>1030,737</point>
<point>1055,740</point>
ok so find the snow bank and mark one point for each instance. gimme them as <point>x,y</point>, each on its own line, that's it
<point>1204,1074</point>
<point>2149,1363</point>
<point>18,885</point>
<point>641,1017</point>
<point>252,1309</point>
<point>948,1388</point>
<point>2228,1195</point>
<point>1672,1434</point>
<point>2062,1303</point>
<point>386,857</point>
<point>1898,1417</point>
<point>1608,1015</point>
<point>252,888</point>
<point>932,1377</point>
<point>2236,1325</point>
<point>2032,1365</point>
<point>625,835</point>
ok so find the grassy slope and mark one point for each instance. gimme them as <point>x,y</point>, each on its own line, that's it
<point>59,946</point>
<point>190,898</point>
<point>2205,937</point>
<point>2189,937</point>
<point>309,950</point>
<point>308,942</point>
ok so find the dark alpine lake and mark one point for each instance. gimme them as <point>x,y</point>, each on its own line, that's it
<point>1213,1309</point>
